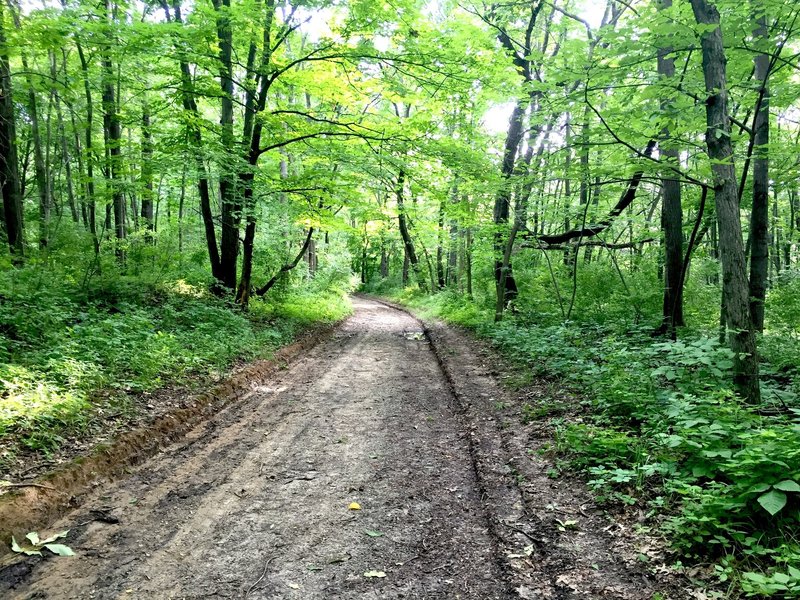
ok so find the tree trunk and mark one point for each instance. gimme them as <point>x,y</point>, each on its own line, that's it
<point>505,285</point>
<point>90,197</point>
<point>196,145</point>
<point>62,140</point>
<point>440,272</point>
<point>147,175</point>
<point>113,136</point>
<point>229,201</point>
<point>671,211</point>
<point>408,243</point>
<point>39,167</point>
<point>9,168</point>
<point>759,217</point>
<point>734,272</point>
<point>287,267</point>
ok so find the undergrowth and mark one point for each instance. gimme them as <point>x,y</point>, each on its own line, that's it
<point>664,433</point>
<point>71,355</point>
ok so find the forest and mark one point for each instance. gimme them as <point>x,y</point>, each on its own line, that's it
<point>607,191</point>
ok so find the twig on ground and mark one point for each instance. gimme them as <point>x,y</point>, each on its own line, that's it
<point>260,579</point>
<point>518,530</point>
<point>33,485</point>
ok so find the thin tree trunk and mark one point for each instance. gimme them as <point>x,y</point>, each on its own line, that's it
<point>287,267</point>
<point>90,197</point>
<point>229,201</point>
<point>39,167</point>
<point>505,284</point>
<point>196,145</point>
<point>113,135</point>
<point>147,175</point>
<point>759,217</point>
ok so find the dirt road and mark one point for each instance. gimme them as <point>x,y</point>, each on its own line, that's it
<point>257,502</point>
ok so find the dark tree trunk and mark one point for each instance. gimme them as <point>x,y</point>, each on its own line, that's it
<point>147,174</point>
<point>252,132</point>
<point>196,145</point>
<point>408,243</point>
<point>759,217</point>
<point>288,266</point>
<point>671,211</point>
<point>39,167</point>
<point>505,284</point>
<point>726,197</point>
<point>113,135</point>
<point>440,235</point>
<point>384,260</point>
<point>90,196</point>
<point>230,204</point>
<point>9,168</point>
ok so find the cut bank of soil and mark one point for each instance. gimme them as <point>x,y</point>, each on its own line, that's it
<point>255,502</point>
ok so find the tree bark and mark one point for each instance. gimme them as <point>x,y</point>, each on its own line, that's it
<point>505,284</point>
<point>230,204</point>
<point>671,211</point>
<point>718,140</point>
<point>759,217</point>
<point>196,146</point>
<point>90,196</point>
<point>113,136</point>
<point>287,267</point>
<point>9,168</point>
<point>408,243</point>
<point>147,174</point>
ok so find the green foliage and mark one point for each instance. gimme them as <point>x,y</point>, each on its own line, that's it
<point>660,428</point>
<point>71,356</point>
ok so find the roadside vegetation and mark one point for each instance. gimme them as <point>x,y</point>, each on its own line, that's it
<point>74,356</point>
<point>656,429</point>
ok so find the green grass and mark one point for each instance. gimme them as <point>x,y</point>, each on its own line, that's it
<point>69,356</point>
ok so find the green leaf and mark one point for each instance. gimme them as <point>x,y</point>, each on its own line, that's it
<point>761,487</point>
<point>372,533</point>
<point>787,486</point>
<point>33,537</point>
<point>773,501</point>
<point>60,549</point>
<point>374,574</point>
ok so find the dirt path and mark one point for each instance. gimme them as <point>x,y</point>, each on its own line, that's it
<point>255,502</point>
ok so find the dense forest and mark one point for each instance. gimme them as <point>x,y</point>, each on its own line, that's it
<point>609,191</point>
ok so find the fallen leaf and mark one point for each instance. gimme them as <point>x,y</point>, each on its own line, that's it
<point>60,549</point>
<point>354,506</point>
<point>294,586</point>
<point>374,574</point>
<point>372,533</point>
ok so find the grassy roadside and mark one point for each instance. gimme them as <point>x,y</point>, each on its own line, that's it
<point>659,433</point>
<point>72,363</point>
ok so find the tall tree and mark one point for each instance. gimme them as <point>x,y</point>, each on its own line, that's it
<point>671,210</point>
<point>112,133</point>
<point>726,198</point>
<point>759,216</point>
